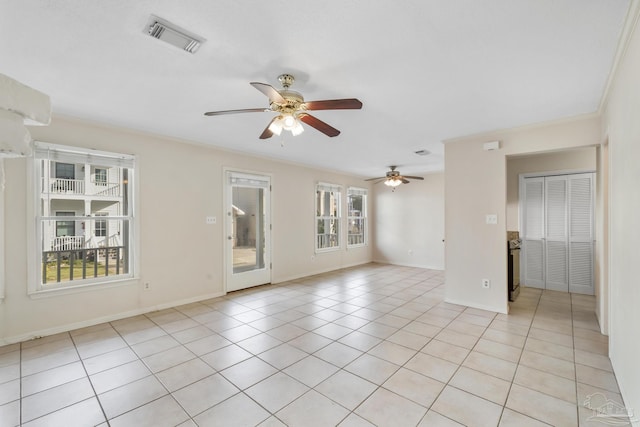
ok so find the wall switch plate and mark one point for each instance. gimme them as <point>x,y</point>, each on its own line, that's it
<point>492,219</point>
<point>211,220</point>
<point>486,283</point>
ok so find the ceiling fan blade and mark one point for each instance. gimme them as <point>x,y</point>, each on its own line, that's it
<point>270,91</point>
<point>374,179</point>
<point>405,181</point>
<point>334,104</point>
<point>246,110</point>
<point>413,177</point>
<point>319,125</point>
<point>266,133</point>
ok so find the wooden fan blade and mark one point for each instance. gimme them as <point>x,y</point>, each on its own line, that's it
<point>413,177</point>
<point>319,125</point>
<point>405,181</point>
<point>374,179</point>
<point>270,91</point>
<point>246,110</point>
<point>334,104</point>
<point>266,133</point>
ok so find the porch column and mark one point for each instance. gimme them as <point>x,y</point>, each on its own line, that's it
<point>88,224</point>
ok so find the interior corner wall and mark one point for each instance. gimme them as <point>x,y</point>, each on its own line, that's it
<point>180,256</point>
<point>476,186</point>
<point>409,223</point>
<point>622,129</point>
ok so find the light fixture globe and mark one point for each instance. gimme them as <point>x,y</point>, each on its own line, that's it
<point>392,182</point>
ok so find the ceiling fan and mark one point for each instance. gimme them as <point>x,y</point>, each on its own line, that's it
<point>393,178</point>
<point>292,109</point>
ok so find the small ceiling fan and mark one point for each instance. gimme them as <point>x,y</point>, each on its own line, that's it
<point>292,109</point>
<point>393,178</point>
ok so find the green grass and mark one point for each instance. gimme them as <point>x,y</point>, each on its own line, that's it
<point>65,270</point>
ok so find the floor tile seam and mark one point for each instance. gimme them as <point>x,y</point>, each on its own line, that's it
<point>573,356</point>
<point>95,394</point>
<point>67,380</point>
<point>145,404</point>
<point>151,374</point>
<point>520,357</point>
<point>60,409</point>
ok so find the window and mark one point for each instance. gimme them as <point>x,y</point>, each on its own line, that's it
<point>327,216</point>
<point>100,225</point>
<point>65,171</point>
<point>65,228</point>
<point>356,216</point>
<point>75,244</point>
<point>100,176</point>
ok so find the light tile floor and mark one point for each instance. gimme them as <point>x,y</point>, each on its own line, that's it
<point>372,345</point>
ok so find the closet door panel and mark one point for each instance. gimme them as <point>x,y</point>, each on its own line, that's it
<point>533,233</point>
<point>556,247</point>
<point>581,233</point>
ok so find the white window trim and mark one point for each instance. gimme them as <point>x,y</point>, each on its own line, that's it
<point>364,192</point>
<point>35,289</point>
<point>334,188</point>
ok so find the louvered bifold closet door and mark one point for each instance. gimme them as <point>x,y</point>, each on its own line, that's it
<point>556,238</point>
<point>533,236</point>
<point>581,232</point>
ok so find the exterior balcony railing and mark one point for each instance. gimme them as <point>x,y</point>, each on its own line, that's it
<point>79,187</point>
<point>77,264</point>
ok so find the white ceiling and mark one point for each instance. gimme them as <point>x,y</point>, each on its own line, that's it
<point>425,70</point>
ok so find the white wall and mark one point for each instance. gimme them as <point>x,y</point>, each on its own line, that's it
<point>476,185</point>
<point>621,125</point>
<point>576,159</point>
<point>409,223</point>
<point>179,184</point>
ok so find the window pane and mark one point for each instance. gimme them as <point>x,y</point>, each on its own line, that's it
<point>85,218</point>
<point>357,211</point>
<point>327,216</point>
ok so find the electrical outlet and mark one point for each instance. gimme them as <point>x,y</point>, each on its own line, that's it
<point>486,283</point>
<point>147,286</point>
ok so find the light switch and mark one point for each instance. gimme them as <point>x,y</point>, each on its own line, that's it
<point>211,220</point>
<point>492,219</point>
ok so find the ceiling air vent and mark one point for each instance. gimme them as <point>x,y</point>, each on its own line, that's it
<point>167,32</point>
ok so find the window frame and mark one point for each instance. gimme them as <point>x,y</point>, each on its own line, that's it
<point>73,154</point>
<point>103,220</point>
<point>364,217</point>
<point>103,174</point>
<point>332,188</point>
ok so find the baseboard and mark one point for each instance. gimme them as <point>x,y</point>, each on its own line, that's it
<point>103,319</point>
<point>403,264</point>
<point>478,306</point>
<point>319,271</point>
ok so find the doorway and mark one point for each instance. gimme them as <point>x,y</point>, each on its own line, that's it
<point>557,217</point>
<point>248,228</point>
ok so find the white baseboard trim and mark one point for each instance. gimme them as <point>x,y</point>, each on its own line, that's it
<point>279,280</point>
<point>478,306</point>
<point>403,264</point>
<point>110,318</point>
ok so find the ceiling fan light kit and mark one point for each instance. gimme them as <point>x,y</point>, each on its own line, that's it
<point>292,109</point>
<point>393,178</point>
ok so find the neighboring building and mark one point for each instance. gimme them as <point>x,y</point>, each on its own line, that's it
<point>81,190</point>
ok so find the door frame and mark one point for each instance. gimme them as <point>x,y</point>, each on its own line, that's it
<point>227,257</point>
<point>521,192</point>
